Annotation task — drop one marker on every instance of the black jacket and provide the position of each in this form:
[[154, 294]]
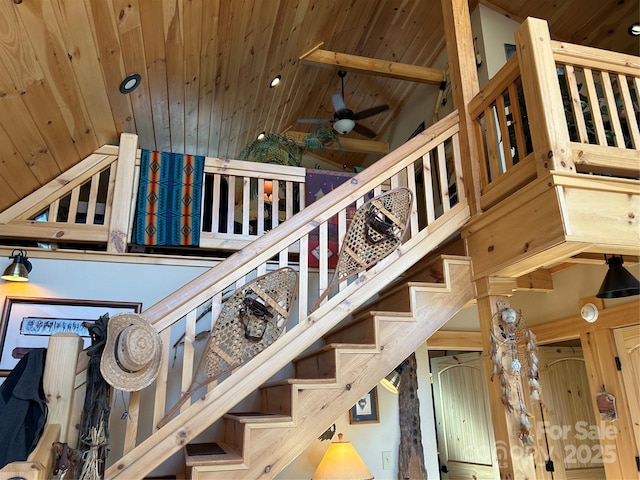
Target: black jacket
[[23, 408]]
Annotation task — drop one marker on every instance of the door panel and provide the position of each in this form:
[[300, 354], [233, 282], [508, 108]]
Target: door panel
[[628, 346], [463, 418], [569, 425]]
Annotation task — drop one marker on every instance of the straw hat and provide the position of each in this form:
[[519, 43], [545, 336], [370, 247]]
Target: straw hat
[[131, 357]]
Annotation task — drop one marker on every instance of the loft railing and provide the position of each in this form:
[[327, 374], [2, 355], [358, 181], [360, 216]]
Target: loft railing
[[554, 98], [241, 200], [428, 164]]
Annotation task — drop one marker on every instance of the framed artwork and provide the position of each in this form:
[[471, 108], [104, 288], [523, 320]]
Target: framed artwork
[[28, 322], [366, 409]]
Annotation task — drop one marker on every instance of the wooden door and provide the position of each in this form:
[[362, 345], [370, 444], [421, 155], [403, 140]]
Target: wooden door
[[466, 443], [568, 425], [628, 346]]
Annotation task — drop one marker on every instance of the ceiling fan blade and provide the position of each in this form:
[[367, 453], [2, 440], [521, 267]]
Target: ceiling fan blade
[[314, 120], [362, 130], [338, 102], [369, 112]]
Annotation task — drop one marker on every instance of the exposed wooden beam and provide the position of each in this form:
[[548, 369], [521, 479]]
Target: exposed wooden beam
[[383, 68], [455, 340], [348, 144]]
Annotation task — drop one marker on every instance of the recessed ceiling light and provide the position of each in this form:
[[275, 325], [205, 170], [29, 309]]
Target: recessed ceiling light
[[275, 81], [130, 83], [634, 30], [261, 135]]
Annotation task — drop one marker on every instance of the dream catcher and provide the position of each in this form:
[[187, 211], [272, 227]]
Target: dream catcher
[[515, 362]]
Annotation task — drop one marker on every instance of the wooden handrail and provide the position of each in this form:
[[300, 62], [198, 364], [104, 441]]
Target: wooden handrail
[[430, 157]]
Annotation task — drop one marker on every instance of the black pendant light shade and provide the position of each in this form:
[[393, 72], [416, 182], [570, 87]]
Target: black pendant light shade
[[618, 282]]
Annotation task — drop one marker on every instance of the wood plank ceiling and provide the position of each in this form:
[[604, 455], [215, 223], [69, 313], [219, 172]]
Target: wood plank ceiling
[[206, 65]]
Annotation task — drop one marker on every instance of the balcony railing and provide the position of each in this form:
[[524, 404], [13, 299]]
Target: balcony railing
[[556, 97]]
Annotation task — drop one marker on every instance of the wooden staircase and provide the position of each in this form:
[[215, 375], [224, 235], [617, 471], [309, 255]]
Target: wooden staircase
[[329, 380]]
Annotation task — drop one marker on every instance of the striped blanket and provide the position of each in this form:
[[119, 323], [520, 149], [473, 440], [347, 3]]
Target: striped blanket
[[169, 199]]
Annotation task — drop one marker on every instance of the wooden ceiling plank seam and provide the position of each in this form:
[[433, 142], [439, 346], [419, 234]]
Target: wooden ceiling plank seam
[[285, 16], [81, 48], [258, 84], [232, 97], [16, 52], [153, 39], [596, 32], [46, 40], [212, 32], [21, 76], [41, 107], [26, 138], [193, 22], [14, 167], [104, 29], [175, 71], [254, 121], [131, 43], [269, 70], [9, 195], [39, 100], [306, 27]]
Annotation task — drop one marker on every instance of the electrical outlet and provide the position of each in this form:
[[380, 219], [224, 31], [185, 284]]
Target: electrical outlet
[[386, 460]]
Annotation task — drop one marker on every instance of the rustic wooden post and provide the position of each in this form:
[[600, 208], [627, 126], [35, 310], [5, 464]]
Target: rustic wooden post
[[513, 461], [464, 86], [411, 455], [121, 202], [59, 382], [549, 132]]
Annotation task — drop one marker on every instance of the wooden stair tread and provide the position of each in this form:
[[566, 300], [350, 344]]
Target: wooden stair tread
[[335, 346], [257, 417], [211, 453], [300, 381]]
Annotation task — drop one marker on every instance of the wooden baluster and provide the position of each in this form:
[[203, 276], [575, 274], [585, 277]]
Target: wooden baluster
[[594, 102], [574, 96]]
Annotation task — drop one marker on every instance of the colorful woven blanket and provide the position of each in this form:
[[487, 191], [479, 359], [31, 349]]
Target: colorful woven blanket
[[169, 199]]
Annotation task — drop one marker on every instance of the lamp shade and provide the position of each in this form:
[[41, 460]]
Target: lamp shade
[[19, 270], [618, 282], [392, 381], [341, 462]]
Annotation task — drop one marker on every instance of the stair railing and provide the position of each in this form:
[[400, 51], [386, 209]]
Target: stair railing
[[429, 165]]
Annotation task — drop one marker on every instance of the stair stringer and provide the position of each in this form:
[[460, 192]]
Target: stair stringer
[[269, 448], [213, 405]]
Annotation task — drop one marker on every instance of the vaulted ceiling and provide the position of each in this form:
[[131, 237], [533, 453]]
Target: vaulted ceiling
[[205, 68]]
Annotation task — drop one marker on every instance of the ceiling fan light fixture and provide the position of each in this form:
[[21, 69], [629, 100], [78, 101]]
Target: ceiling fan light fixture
[[634, 29], [261, 135], [344, 125], [275, 81]]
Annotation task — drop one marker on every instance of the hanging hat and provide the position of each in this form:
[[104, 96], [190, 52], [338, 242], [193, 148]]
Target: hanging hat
[[131, 357]]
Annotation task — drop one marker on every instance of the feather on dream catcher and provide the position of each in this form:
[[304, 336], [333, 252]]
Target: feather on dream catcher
[[514, 358]]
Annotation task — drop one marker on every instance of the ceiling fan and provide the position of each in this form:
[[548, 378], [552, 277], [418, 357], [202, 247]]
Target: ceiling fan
[[344, 120]]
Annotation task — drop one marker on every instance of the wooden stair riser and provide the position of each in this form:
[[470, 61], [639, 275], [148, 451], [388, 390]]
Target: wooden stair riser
[[320, 365], [234, 434], [277, 399], [361, 330], [270, 450]]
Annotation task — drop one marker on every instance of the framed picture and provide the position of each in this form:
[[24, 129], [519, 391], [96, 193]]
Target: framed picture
[[28, 322], [366, 409]]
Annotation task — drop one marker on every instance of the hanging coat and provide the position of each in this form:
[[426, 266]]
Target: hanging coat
[[23, 408]]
